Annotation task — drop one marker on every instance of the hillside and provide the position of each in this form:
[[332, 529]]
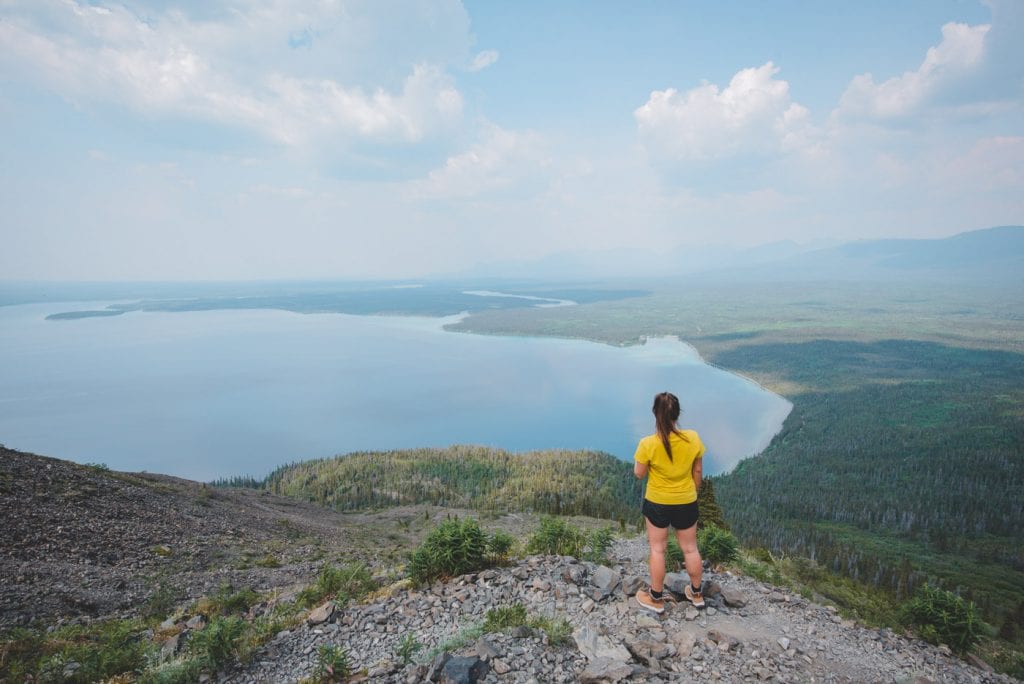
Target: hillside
[[486, 479], [85, 542]]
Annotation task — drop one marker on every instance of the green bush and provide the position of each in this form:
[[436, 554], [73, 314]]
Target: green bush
[[346, 583], [407, 648], [217, 644], [505, 617], [674, 559], [717, 545], [597, 544], [101, 651], [500, 545], [558, 631], [331, 664], [556, 538], [455, 547], [943, 617], [235, 602]]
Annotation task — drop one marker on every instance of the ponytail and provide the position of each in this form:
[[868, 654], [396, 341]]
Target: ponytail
[[666, 413]]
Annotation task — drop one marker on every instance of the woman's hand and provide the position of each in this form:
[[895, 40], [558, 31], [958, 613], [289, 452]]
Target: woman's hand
[[697, 471]]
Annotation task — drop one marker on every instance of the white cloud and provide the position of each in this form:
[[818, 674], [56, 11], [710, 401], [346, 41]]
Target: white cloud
[[945, 66], [170, 65], [483, 60], [752, 115], [503, 160]]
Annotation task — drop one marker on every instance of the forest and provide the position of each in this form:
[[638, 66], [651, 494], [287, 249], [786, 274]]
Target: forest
[[482, 478], [903, 458]]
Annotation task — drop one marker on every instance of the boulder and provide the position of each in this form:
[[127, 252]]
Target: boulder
[[464, 670], [605, 580], [321, 613], [596, 646], [605, 671], [733, 598]]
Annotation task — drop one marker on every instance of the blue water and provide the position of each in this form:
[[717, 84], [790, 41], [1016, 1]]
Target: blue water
[[218, 393]]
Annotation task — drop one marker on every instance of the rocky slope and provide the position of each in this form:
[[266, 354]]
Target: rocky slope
[[81, 542], [748, 632]]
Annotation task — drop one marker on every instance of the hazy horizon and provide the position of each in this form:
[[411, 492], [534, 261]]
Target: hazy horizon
[[356, 140]]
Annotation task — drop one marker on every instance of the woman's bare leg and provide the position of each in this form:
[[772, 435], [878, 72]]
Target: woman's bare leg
[[694, 564], [657, 537]]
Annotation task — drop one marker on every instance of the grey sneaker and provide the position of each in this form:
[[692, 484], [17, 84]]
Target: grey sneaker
[[694, 597], [649, 602]]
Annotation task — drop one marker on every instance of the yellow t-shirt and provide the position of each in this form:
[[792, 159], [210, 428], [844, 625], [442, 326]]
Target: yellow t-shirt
[[670, 482]]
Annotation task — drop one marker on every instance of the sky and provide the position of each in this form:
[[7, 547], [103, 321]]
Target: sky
[[280, 139]]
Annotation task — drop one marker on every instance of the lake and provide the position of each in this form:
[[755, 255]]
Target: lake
[[208, 394]]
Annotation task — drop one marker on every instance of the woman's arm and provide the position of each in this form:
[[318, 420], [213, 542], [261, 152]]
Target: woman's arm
[[698, 472], [640, 469]]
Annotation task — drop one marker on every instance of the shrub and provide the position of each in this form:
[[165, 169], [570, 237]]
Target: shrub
[[346, 583], [331, 664], [597, 544], [674, 559], [505, 617], [161, 602], [556, 538], [452, 548], [558, 631], [500, 544], [217, 644], [943, 617], [717, 545], [231, 602], [101, 650], [407, 648]]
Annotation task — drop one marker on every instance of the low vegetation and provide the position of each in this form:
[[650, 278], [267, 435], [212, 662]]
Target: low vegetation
[[456, 547], [558, 537]]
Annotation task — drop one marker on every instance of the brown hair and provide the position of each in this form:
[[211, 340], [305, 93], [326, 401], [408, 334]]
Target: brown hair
[[666, 413]]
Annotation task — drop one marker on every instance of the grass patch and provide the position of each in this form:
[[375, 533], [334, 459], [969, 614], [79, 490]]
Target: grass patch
[[349, 582]]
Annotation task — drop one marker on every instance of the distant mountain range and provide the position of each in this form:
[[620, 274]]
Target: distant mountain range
[[995, 254]]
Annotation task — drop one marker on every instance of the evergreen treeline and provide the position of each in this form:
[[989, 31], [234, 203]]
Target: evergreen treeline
[[901, 462], [552, 482]]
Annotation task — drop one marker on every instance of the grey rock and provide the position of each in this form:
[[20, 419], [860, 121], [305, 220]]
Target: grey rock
[[576, 574], [464, 670], [646, 620], [734, 598], [676, 582], [684, 642], [605, 580], [436, 667], [196, 622], [488, 650], [605, 671], [594, 645], [320, 614], [631, 584]]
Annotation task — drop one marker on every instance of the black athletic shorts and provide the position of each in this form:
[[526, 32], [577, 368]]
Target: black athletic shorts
[[679, 516]]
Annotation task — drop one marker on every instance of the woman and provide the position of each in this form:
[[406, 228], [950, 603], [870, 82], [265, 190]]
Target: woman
[[671, 461]]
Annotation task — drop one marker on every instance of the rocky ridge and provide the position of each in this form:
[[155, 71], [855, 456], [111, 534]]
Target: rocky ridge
[[80, 543], [748, 632]]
